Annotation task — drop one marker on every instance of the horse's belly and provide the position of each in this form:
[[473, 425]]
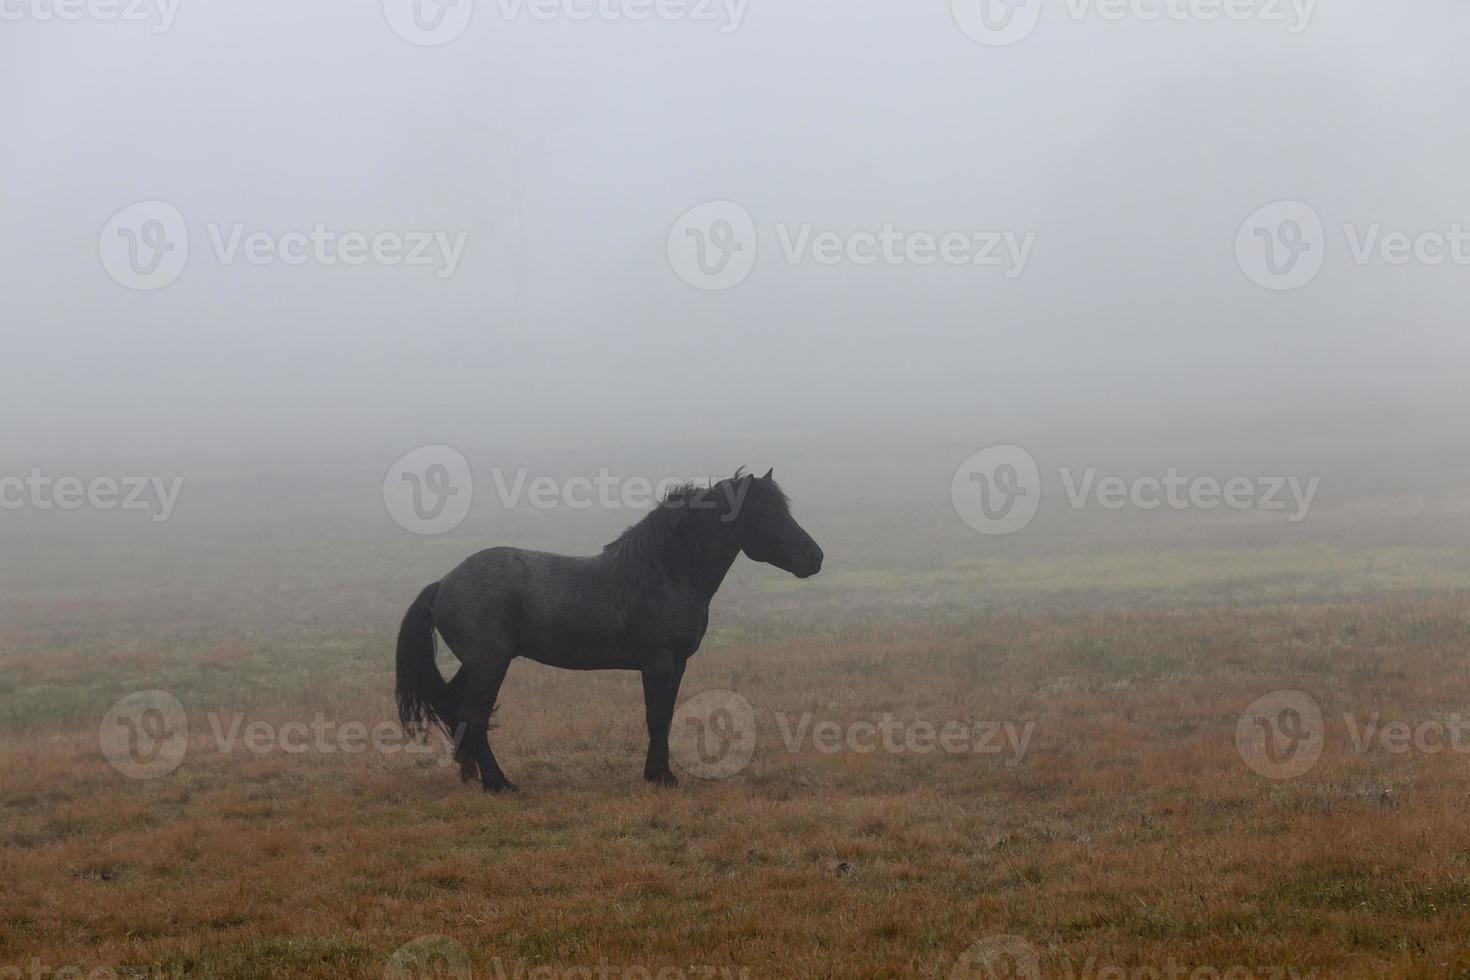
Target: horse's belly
[[579, 657], [585, 660]]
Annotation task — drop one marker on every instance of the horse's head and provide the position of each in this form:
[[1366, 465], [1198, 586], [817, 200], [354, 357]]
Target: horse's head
[[766, 530]]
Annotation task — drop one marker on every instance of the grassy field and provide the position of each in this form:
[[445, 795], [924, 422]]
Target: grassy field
[[992, 752]]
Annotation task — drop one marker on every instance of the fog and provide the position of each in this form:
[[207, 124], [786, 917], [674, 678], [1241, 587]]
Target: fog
[[564, 150], [1111, 354]]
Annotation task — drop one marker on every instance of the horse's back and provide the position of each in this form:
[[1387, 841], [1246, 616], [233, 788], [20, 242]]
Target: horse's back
[[515, 594]]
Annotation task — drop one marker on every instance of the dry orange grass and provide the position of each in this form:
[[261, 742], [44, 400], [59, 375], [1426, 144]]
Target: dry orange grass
[[1131, 835]]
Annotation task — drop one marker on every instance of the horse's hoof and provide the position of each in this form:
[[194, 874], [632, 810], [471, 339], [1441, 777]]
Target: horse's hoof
[[502, 785], [662, 778]]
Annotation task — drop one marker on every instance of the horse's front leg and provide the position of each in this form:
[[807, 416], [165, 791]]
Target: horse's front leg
[[661, 677]]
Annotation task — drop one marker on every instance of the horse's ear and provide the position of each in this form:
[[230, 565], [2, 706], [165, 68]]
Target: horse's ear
[[768, 473]]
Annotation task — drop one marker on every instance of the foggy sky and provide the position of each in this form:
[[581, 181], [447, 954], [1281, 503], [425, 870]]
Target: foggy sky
[[565, 151]]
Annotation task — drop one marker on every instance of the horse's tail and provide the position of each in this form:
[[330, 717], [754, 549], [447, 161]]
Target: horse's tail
[[423, 696]]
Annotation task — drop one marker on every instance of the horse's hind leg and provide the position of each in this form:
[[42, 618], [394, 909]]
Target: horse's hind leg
[[468, 767], [484, 677]]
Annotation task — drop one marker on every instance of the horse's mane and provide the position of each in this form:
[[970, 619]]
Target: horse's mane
[[673, 517], [690, 519]]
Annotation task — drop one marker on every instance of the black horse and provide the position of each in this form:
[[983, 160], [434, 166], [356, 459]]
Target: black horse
[[643, 604]]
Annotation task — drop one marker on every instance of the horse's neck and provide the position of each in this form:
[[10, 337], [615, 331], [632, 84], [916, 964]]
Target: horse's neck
[[697, 565], [702, 567], [712, 574]]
